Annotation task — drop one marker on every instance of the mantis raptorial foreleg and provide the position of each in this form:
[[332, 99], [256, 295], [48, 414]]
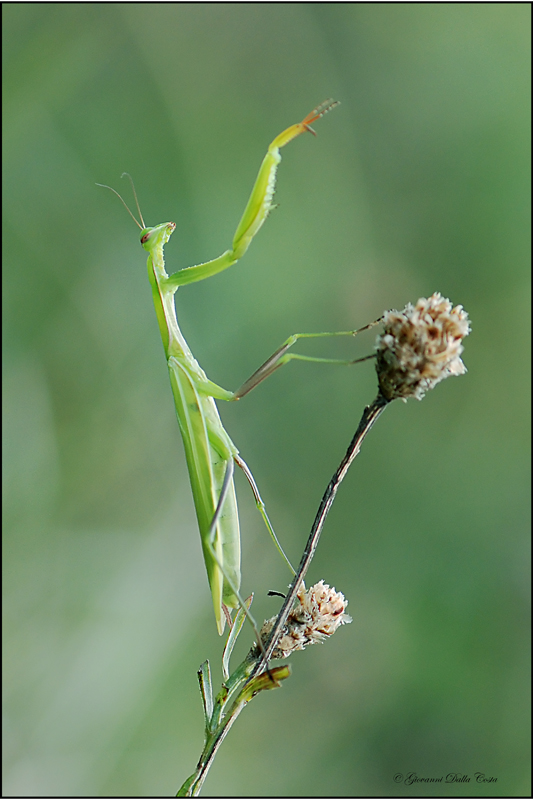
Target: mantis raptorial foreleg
[[257, 209]]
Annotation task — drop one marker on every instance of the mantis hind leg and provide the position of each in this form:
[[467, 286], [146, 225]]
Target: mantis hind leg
[[262, 509]]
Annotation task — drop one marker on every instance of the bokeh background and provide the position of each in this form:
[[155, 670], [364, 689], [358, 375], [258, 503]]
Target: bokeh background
[[417, 183]]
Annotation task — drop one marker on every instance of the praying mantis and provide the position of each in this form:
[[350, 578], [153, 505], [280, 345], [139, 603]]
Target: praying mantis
[[210, 453]]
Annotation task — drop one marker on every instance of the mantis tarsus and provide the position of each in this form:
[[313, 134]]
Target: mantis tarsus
[[210, 453]]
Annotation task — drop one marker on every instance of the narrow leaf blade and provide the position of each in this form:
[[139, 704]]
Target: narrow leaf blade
[[238, 622], [206, 689]]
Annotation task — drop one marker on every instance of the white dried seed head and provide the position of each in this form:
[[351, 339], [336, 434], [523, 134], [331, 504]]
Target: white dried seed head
[[420, 346], [315, 617]]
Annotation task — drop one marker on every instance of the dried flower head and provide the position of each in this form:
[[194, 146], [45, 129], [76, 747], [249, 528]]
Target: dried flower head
[[317, 614], [420, 346]]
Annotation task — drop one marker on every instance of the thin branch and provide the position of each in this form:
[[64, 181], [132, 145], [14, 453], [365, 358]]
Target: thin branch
[[370, 415]]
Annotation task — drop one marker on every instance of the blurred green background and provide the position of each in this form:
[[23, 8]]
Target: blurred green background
[[417, 183]]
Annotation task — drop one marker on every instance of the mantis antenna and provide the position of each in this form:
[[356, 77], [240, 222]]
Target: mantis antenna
[[135, 195], [104, 186]]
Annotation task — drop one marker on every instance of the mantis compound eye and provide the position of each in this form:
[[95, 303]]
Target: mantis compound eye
[[145, 237]]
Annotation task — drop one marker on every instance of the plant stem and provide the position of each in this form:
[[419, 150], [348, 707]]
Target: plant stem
[[193, 785], [245, 687], [370, 415]]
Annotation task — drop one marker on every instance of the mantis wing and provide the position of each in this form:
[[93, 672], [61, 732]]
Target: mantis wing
[[207, 451]]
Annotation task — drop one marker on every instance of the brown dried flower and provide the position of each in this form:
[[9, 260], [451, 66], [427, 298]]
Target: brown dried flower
[[318, 613], [420, 346]]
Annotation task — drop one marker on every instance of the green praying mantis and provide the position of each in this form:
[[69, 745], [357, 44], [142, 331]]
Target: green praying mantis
[[210, 452]]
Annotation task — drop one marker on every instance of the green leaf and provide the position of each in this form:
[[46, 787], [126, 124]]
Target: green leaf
[[206, 689]]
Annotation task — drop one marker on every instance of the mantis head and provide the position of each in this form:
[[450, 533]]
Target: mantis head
[[152, 238]]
